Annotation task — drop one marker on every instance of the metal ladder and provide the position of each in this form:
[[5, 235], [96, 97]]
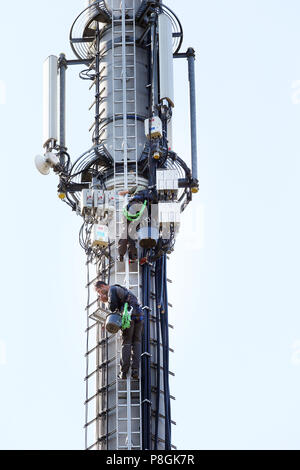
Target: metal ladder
[[128, 393]]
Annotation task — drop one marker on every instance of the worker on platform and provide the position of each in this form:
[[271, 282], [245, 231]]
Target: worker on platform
[[116, 296], [138, 196]]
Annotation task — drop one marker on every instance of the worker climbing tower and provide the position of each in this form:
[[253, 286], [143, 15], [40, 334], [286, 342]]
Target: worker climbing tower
[[126, 50]]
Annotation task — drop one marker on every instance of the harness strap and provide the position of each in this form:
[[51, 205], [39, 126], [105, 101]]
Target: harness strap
[[137, 216], [126, 318], [133, 316]]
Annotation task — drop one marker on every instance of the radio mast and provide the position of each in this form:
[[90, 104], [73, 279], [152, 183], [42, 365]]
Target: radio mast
[[126, 49]]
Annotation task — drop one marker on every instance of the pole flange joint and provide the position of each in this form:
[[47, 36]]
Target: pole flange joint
[[62, 61], [191, 52]]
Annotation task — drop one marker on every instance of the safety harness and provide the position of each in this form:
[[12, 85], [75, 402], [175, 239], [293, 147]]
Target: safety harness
[[135, 312], [137, 216], [126, 318]]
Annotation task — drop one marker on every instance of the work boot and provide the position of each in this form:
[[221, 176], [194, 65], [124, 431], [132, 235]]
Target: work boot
[[132, 258], [132, 251], [135, 374], [122, 376]]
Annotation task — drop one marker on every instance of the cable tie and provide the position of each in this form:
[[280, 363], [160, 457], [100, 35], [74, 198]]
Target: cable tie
[[147, 401], [146, 354]]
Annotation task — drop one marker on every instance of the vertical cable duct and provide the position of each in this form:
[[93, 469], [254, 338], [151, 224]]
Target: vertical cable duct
[[157, 322], [146, 358]]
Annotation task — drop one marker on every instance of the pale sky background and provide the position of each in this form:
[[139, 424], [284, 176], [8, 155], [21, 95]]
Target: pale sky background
[[237, 262]]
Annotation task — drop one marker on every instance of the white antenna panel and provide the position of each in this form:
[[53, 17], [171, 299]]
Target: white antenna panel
[[166, 58], [50, 96]]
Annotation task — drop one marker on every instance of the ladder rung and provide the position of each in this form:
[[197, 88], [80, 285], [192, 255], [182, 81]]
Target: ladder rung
[[92, 326], [132, 419], [92, 422], [128, 149], [113, 359], [162, 416], [119, 10], [130, 405], [121, 273], [91, 304], [120, 32], [121, 66], [129, 113], [127, 447], [92, 126], [93, 445], [92, 64], [121, 101], [127, 20], [100, 391], [93, 83], [154, 366], [127, 89], [153, 319], [127, 78], [106, 436], [153, 342], [128, 125], [125, 433], [93, 350], [163, 442], [121, 55], [93, 104]]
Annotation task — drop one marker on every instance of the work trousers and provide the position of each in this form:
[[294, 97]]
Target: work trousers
[[132, 341], [126, 242], [123, 244]]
